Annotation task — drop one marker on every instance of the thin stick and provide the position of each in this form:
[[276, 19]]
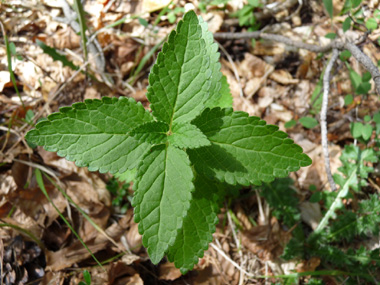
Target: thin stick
[[231, 261], [237, 242], [236, 73], [326, 87], [366, 62], [336, 44], [276, 38]]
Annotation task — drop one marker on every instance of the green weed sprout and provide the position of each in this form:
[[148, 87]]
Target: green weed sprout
[[186, 151]]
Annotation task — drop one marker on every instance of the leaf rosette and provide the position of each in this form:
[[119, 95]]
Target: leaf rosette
[[185, 153]]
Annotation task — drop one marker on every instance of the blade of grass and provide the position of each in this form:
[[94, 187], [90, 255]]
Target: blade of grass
[[9, 59], [78, 7], [317, 273], [43, 189], [87, 217], [162, 12], [26, 232], [146, 57]]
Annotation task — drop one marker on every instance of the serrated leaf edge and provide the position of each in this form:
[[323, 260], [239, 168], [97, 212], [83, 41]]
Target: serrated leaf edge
[[78, 106]]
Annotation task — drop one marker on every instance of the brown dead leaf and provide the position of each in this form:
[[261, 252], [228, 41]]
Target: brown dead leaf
[[120, 273], [281, 113], [63, 38], [49, 87], [7, 183], [283, 76], [56, 235], [29, 198], [154, 5], [308, 265], [316, 173], [167, 271], [209, 276], [214, 20], [75, 253], [5, 79], [239, 103], [134, 239], [253, 67], [242, 217], [311, 214], [5, 208], [92, 93], [268, 48], [140, 95], [266, 241]]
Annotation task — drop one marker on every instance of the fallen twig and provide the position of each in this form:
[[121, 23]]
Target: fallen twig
[[277, 38], [325, 99], [336, 44]]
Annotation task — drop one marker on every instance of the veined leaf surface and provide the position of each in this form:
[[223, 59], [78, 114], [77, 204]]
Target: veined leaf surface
[[198, 225], [95, 134], [162, 197], [179, 80], [244, 149], [216, 75], [187, 136]]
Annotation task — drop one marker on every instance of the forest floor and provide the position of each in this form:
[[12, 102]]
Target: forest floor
[[277, 82]]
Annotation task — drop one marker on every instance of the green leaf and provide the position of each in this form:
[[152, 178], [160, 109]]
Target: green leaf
[[162, 197], [187, 136], [363, 88], [12, 49], [366, 76], [95, 134], [345, 55], [143, 22], [200, 222], [329, 7], [346, 24], [376, 119], [283, 199], [151, 132], [316, 98], [367, 132], [356, 130], [290, 124], [367, 118], [29, 116], [180, 79], [346, 7], [87, 277], [330, 36], [308, 122], [244, 149], [225, 100], [216, 75], [172, 17], [356, 3], [348, 99], [56, 56], [376, 14], [355, 78], [371, 24]]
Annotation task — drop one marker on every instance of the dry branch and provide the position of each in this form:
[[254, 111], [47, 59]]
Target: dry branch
[[336, 44], [325, 100]]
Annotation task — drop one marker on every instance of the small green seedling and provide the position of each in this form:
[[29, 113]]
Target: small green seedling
[[185, 152], [86, 277]]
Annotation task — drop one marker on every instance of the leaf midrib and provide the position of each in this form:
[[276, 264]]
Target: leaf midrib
[[180, 76], [256, 151]]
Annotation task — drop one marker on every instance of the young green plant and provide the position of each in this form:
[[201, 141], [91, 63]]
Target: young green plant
[[186, 151]]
